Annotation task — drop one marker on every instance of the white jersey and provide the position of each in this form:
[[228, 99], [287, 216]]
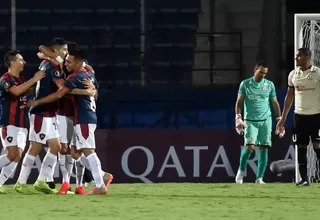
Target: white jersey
[[307, 90]]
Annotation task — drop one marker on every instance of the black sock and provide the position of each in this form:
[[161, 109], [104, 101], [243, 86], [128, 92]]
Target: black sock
[[87, 176], [302, 160], [317, 150]]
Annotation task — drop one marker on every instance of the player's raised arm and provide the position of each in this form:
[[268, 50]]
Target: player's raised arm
[[15, 62], [48, 52]]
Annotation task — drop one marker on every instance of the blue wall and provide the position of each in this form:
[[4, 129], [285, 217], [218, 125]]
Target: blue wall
[[171, 107]]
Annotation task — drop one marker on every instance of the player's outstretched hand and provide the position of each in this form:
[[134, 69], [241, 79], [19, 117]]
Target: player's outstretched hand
[[240, 124], [39, 75], [88, 84], [32, 103]]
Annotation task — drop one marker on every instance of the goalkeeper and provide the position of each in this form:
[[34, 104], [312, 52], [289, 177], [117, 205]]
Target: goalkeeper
[[256, 94]]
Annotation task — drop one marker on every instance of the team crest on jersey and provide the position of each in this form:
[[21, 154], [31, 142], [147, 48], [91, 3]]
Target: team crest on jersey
[[249, 139], [310, 77], [265, 88], [42, 136], [58, 74], [9, 139]]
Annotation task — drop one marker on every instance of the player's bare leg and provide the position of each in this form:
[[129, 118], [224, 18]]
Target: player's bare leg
[[48, 163], [27, 164], [76, 155], [245, 155], [101, 178], [11, 160], [262, 164]]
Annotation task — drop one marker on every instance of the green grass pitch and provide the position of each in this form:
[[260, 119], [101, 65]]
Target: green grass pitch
[[172, 201]]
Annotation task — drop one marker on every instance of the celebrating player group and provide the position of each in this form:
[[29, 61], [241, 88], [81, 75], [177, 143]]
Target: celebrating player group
[[62, 115], [257, 94]]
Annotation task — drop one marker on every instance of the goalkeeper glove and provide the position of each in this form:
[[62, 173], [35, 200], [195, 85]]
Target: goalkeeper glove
[[240, 124]]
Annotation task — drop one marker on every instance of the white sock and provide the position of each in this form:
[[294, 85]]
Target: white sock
[[86, 164], [48, 163], [50, 177], [69, 165], [63, 168], [4, 161], [7, 171], [26, 167], [79, 173], [95, 165]]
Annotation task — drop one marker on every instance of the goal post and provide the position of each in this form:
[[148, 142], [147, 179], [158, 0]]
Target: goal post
[[307, 34]]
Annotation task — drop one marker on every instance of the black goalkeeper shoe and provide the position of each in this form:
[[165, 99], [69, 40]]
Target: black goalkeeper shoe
[[52, 185], [303, 183]]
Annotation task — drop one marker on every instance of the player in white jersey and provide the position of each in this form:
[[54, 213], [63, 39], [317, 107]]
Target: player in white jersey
[[304, 88]]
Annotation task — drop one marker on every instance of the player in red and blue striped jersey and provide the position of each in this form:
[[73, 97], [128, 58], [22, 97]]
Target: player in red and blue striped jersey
[[65, 129], [43, 124], [85, 119], [13, 97]]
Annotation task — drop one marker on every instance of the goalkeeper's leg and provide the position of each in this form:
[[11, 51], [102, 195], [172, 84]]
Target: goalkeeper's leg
[[264, 142], [262, 164], [250, 134]]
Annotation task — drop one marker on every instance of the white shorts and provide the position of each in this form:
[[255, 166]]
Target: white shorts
[[83, 136], [65, 128], [43, 128], [13, 136]]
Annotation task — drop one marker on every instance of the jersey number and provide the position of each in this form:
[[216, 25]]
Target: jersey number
[[92, 104]]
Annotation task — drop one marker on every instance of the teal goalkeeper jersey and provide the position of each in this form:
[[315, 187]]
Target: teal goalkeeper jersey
[[257, 95]]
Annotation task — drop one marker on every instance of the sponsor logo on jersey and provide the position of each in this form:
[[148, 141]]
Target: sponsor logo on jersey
[[304, 88]]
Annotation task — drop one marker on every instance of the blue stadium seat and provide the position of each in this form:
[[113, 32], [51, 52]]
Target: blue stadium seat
[[98, 26], [169, 21]]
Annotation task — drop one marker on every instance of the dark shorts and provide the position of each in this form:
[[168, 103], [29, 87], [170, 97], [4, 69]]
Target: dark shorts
[[306, 127]]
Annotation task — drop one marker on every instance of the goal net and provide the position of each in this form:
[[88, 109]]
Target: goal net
[[307, 34]]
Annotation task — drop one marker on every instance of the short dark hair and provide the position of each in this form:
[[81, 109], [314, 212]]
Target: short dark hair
[[72, 45], [305, 51], [78, 54], [10, 56], [58, 42], [262, 63]]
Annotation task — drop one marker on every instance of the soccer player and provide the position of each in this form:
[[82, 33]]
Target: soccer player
[[304, 88], [13, 97], [65, 128], [43, 123], [85, 119], [255, 94]]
